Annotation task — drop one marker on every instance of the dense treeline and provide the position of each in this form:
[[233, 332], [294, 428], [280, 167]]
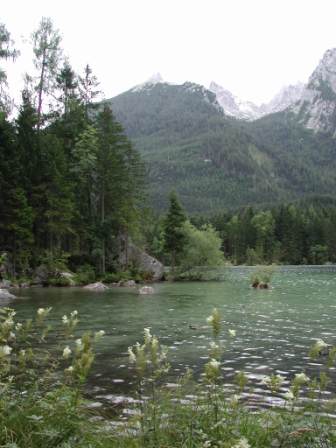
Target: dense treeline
[[289, 234], [70, 182]]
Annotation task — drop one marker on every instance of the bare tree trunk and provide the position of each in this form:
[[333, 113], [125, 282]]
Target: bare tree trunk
[[103, 261], [40, 92]]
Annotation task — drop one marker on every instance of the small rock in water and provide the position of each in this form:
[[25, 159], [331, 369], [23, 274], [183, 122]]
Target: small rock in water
[[146, 290], [98, 286]]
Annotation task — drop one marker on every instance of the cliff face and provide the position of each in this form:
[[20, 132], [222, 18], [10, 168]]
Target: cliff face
[[317, 108]]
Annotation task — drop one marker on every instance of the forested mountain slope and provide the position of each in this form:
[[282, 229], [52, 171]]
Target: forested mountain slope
[[214, 161]]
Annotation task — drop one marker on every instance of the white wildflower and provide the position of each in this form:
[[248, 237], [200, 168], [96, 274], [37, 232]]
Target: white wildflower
[[8, 323], [232, 333], [18, 326], [147, 335], [42, 312], [5, 350], [69, 369], [65, 319], [320, 344], [79, 343], [11, 336], [214, 364], [289, 395], [234, 399], [301, 378], [243, 443], [99, 334], [132, 357], [74, 313], [66, 352], [210, 319]]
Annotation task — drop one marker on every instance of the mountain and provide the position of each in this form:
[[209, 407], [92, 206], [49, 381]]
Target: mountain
[[215, 161], [247, 110], [317, 107]]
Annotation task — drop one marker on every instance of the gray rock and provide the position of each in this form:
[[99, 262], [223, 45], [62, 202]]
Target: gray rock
[[128, 283], [146, 290], [98, 286], [4, 294], [41, 275], [141, 260], [5, 284]]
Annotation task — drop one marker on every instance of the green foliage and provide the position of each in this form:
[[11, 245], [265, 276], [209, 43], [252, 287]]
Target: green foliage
[[41, 402], [203, 247], [262, 276], [85, 274], [174, 234], [297, 233]]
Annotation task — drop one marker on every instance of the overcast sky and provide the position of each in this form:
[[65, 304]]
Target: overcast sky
[[251, 47]]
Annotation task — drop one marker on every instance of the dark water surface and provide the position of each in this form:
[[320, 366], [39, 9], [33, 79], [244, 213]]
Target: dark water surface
[[275, 328]]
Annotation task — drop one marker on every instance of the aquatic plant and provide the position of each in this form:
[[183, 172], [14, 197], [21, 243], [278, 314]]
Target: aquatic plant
[[262, 276]]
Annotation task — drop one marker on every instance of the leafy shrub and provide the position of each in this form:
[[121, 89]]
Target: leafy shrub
[[59, 281], [262, 276], [85, 274]]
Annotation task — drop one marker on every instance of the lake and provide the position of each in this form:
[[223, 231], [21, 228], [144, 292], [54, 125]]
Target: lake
[[274, 328]]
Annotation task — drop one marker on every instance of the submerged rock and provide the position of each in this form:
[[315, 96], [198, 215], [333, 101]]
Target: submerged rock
[[146, 290], [4, 294], [98, 286]]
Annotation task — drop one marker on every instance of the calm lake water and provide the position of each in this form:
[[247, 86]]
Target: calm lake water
[[275, 328]]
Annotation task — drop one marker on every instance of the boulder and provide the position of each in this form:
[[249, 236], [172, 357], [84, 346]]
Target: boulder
[[128, 283], [41, 275], [131, 254], [4, 294], [146, 290], [98, 286]]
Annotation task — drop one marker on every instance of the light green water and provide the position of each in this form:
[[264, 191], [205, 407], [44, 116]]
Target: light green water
[[275, 328]]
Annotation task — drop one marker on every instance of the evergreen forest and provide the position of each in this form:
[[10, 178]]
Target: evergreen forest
[[74, 185]]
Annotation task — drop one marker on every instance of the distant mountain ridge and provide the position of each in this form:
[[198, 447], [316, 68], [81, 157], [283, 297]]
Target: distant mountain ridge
[[214, 160], [247, 110]]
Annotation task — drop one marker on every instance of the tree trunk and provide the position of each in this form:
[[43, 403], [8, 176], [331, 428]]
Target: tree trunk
[[40, 91], [102, 223]]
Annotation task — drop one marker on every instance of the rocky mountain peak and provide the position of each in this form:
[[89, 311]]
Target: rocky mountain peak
[[317, 107], [155, 79], [247, 110]]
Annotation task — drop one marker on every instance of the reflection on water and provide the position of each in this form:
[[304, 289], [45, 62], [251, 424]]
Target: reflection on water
[[275, 328]]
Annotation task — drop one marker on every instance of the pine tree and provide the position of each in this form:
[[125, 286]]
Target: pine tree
[[174, 235], [6, 51], [47, 53]]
